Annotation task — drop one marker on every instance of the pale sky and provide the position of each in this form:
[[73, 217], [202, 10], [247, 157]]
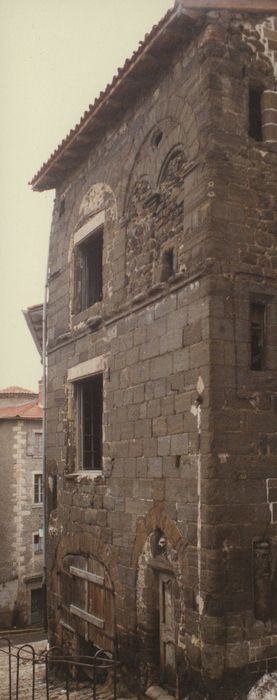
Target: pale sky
[[55, 58]]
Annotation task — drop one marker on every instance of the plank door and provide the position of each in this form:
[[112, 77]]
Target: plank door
[[36, 606], [167, 630]]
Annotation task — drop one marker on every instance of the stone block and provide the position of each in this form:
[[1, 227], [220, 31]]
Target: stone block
[[161, 367], [155, 467], [179, 444]]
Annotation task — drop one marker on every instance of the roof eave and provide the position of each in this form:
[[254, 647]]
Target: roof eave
[[28, 318], [93, 123]]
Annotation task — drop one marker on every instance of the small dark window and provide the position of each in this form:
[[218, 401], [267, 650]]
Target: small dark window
[[156, 138], [88, 271], [167, 264], [255, 114], [262, 581], [53, 492], [257, 336], [62, 207], [90, 407]]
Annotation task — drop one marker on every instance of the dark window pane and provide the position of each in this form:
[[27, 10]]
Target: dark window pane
[[255, 115], [90, 268], [91, 428], [257, 332]]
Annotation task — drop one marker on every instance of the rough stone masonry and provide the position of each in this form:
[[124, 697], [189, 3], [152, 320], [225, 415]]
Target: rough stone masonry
[[162, 328]]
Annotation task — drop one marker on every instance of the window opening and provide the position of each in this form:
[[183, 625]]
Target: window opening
[[36, 606], [156, 138], [262, 580], [90, 407], [38, 539], [38, 491], [257, 331], [37, 444], [90, 254], [255, 114], [62, 207], [54, 491], [167, 264]]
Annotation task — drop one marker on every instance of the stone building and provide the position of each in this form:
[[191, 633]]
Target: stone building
[[21, 560], [162, 321]]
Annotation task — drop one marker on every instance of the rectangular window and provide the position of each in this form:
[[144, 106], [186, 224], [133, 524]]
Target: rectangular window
[[257, 337], [37, 444], [90, 410], [38, 540], [38, 490], [255, 114], [88, 271]]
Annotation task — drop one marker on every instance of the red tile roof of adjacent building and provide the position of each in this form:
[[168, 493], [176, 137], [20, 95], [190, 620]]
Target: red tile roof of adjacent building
[[27, 411], [11, 390]]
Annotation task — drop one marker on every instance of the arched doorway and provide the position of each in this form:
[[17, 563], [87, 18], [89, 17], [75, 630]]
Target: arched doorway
[[158, 609], [88, 603]]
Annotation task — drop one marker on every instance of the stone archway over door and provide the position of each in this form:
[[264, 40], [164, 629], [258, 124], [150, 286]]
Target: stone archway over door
[[158, 610]]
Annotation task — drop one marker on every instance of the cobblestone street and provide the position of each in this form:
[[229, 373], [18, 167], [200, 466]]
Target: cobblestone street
[[78, 690]]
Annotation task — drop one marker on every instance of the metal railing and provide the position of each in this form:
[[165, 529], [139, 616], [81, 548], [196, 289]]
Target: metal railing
[[98, 668]]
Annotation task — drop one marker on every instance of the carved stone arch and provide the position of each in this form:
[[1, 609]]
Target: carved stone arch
[[88, 545], [141, 189], [157, 519], [174, 164], [92, 237], [180, 128], [158, 553], [99, 196], [151, 152]]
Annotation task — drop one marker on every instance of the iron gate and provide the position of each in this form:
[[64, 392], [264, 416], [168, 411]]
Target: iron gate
[[99, 666]]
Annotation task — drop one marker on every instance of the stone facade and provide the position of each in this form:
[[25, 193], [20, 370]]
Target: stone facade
[[21, 559], [180, 526]]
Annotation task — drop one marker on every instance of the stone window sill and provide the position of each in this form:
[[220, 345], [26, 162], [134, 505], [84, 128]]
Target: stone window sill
[[91, 316], [85, 474]]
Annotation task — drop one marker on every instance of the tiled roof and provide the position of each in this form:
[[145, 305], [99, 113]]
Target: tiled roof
[[27, 411], [259, 6], [125, 84], [143, 66], [11, 390], [34, 319]]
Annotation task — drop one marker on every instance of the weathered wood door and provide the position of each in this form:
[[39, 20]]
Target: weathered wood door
[[167, 630], [89, 600], [36, 606]]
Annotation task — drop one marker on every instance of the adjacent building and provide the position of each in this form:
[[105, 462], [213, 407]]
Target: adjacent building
[[162, 328], [21, 510]]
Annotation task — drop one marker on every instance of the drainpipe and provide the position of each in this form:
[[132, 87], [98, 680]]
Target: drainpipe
[[44, 420]]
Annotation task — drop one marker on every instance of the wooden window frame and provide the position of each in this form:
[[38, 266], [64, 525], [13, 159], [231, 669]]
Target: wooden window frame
[[89, 392], [37, 488]]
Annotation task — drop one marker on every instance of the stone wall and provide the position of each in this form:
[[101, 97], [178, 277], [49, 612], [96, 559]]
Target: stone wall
[[189, 429], [20, 519]]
